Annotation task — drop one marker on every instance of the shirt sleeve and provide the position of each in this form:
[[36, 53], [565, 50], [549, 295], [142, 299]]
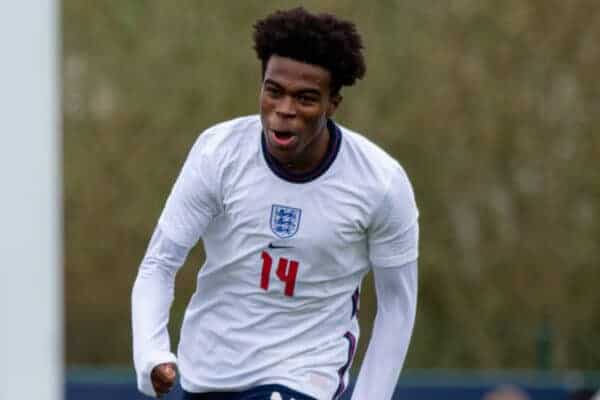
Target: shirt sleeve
[[151, 299], [396, 290], [195, 198], [192, 204], [393, 234]]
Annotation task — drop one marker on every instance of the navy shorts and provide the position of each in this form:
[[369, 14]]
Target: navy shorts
[[263, 392]]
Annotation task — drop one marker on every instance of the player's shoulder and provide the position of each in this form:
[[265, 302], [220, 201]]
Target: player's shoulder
[[225, 139], [230, 133], [369, 159]]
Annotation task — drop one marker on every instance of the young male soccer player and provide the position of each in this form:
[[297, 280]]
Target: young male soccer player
[[293, 210]]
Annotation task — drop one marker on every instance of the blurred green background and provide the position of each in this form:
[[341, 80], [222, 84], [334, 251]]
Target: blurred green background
[[491, 106]]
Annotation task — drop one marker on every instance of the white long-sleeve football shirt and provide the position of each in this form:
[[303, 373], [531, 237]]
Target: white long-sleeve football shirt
[[277, 296]]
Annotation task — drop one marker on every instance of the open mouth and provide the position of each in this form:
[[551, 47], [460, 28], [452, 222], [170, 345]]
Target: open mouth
[[283, 138]]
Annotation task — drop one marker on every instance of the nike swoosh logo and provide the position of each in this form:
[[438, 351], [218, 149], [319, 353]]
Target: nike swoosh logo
[[274, 246]]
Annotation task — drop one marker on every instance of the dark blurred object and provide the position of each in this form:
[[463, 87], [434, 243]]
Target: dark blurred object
[[584, 394], [544, 344]]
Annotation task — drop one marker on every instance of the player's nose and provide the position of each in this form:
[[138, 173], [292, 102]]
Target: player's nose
[[286, 107]]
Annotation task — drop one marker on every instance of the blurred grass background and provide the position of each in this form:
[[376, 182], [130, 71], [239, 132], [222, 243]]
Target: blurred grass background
[[492, 108]]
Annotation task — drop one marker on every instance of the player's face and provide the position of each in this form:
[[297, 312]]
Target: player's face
[[295, 102]]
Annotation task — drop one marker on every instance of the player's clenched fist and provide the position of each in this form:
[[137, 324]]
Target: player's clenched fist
[[163, 377]]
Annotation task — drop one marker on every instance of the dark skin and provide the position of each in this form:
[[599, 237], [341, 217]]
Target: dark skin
[[295, 103], [163, 377]]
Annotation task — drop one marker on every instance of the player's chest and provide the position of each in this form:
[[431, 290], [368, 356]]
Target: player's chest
[[325, 212]]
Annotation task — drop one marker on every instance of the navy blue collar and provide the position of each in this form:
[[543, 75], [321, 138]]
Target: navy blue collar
[[333, 148]]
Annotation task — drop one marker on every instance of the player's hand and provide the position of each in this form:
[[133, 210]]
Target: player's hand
[[163, 377]]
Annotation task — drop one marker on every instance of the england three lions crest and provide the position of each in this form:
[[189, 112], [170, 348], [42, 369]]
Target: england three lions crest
[[285, 220]]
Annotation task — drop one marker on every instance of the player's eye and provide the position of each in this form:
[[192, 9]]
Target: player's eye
[[306, 99], [273, 91]]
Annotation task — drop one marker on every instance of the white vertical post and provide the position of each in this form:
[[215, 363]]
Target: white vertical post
[[31, 350]]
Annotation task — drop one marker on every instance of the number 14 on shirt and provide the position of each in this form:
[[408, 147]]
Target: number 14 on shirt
[[286, 272]]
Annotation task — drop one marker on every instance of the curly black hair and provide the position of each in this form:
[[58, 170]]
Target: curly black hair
[[319, 39]]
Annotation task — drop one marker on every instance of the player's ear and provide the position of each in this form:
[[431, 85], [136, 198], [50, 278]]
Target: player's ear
[[334, 102]]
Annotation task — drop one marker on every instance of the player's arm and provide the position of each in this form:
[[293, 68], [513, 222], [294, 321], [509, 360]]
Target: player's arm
[[192, 204], [393, 238], [396, 290], [151, 298]]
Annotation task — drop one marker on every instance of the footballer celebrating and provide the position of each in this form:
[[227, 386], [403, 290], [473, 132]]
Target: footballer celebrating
[[293, 210]]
